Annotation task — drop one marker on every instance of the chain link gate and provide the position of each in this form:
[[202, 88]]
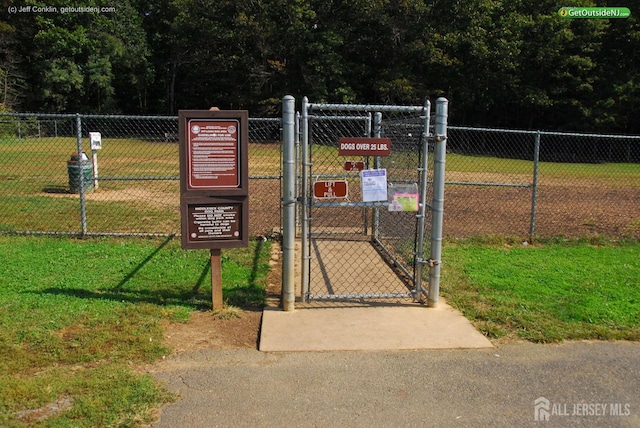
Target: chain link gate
[[355, 248]]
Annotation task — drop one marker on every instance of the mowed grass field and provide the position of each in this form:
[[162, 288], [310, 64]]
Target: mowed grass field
[[78, 318], [559, 290], [138, 190]]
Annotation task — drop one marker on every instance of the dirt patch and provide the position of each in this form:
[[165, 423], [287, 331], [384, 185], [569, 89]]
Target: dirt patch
[[204, 330], [568, 211], [157, 199], [40, 414]]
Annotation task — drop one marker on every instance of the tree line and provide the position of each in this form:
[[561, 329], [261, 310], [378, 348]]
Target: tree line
[[501, 63]]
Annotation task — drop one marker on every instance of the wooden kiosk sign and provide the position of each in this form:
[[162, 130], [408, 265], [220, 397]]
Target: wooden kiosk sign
[[214, 183]]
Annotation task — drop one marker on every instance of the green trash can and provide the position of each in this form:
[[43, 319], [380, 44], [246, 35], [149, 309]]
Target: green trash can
[[73, 168]]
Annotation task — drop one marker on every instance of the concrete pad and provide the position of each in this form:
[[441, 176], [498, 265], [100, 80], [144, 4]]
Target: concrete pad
[[368, 329]]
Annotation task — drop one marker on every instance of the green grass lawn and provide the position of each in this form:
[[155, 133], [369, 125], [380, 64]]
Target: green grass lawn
[[77, 317], [546, 293]]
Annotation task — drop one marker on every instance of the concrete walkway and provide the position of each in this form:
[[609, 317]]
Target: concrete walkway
[[409, 326]]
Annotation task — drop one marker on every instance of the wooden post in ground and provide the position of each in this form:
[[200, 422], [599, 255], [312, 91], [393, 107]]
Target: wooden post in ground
[[216, 279]]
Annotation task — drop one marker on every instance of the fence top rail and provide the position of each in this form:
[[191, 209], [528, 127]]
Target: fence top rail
[[40, 115], [363, 118], [112, 116], [84, 116], [265, 119], [334, 107], [548, 133], [365, 107], [501, 130], [588, 135]]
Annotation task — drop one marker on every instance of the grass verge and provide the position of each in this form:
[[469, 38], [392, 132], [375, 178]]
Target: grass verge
[[78, 316], [546, 293]]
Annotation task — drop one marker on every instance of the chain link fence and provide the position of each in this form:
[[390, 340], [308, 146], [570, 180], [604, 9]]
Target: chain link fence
[[545, 184], [499, 182], [342, 220], [129, 187]]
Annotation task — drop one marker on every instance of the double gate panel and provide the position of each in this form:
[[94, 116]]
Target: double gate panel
[[357, 243]]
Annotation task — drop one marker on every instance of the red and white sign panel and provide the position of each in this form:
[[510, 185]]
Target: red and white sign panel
[[353, 165], [349, 146], [330, 189], [213, 153]]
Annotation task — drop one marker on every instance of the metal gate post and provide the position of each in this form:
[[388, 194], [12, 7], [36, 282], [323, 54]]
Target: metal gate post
[[377, 133], [534, 190], [424, 172], [288, 203], [437, 206], [304, 198], [83, 201]]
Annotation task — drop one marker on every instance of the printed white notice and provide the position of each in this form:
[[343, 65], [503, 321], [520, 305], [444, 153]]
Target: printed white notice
[[374, 185]]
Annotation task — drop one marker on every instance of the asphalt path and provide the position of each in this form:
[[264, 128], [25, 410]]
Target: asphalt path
[[514, 385]]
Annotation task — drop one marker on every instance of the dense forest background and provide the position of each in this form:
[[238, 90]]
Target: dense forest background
[[501, 63]]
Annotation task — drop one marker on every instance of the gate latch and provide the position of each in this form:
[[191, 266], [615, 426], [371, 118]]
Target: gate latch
[[432, 262]]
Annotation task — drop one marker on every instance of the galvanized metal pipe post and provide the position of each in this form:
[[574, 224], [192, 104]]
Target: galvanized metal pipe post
[[288, 202], [437, 205], [423, 173], [83, 202], [377, 133], [304, 199], [534, 191]]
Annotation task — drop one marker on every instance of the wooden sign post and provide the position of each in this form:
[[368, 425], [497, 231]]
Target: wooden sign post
[[214, 185]]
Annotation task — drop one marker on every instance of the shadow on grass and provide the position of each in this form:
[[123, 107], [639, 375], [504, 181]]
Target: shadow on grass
[[252, 295], [249, 295]]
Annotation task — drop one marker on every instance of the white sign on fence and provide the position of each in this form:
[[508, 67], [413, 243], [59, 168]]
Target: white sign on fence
[[374, 185]]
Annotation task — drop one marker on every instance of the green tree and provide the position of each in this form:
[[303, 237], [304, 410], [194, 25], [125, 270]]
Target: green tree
[[76, 61]]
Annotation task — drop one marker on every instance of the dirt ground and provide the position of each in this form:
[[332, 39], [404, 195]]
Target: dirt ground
[[562, 211], [205, 330]]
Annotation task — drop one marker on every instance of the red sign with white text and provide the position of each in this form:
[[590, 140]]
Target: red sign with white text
[[348, 146], [213, 153], [330, 189], [353, 165]]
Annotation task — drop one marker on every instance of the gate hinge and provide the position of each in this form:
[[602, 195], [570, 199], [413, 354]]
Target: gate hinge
[[430, 262]]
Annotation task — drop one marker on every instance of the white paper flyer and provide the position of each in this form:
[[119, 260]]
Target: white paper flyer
[[374, 185]]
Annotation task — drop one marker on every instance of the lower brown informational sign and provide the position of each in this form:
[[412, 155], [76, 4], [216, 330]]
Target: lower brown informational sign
[[214, 223]]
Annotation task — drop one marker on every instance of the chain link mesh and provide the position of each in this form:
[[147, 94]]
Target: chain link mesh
[[348, 234], [135, 190], [586, 184], [545, 184]]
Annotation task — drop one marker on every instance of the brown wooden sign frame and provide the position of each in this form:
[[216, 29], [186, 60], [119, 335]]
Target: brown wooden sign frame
[[214, 178]]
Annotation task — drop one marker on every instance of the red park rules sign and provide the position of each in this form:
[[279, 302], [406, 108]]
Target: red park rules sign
[[213, 153], [349, 146]]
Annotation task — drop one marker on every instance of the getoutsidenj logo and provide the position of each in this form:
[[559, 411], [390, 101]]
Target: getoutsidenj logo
[[594, 12]]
